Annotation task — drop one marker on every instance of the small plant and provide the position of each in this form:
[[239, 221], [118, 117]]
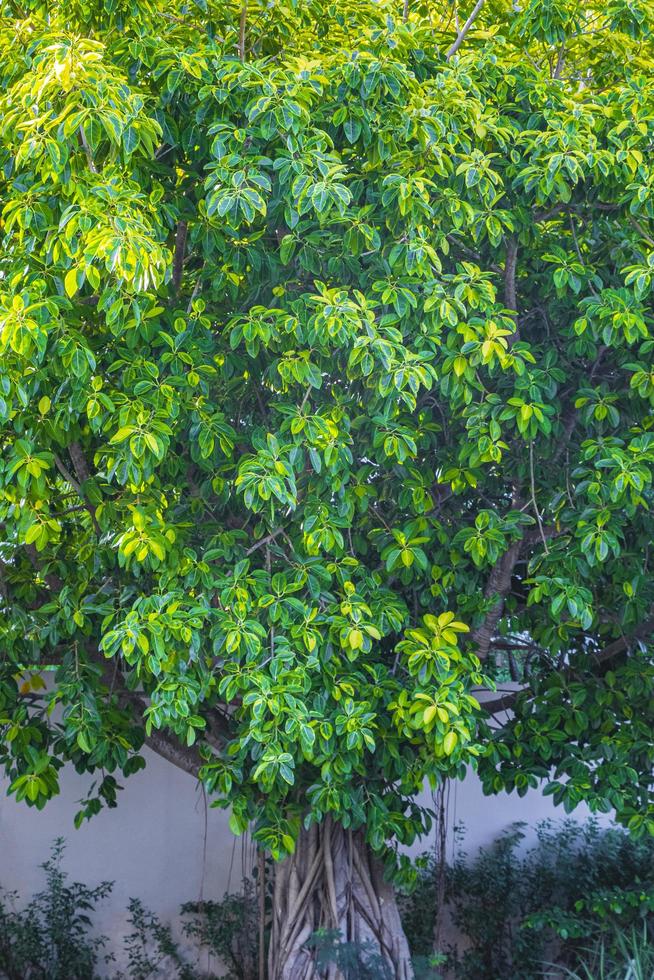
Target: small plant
[[50, 939], [628, 957], [229, 929], [353, 961], [150, 945]]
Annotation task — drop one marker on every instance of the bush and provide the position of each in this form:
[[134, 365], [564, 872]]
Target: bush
[[150, 946], [227, 929], [578, 884], [50, 938]]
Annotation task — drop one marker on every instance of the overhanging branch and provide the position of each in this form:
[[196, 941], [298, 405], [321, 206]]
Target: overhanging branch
[[506, 701], [171, 749], [163, 743]]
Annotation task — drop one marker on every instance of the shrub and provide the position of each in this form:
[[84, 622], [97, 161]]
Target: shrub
[[582, 896], [150, 945], [50, 939], [577, 884]]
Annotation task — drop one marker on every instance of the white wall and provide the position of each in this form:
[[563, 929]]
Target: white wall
[[153, 844], [485, 817]]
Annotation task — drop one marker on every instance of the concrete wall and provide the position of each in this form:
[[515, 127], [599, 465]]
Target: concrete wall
[[164, 846]]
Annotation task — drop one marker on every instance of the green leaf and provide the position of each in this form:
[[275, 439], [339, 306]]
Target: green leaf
[[70, 282]]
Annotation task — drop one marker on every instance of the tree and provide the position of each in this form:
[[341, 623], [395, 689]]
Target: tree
[[325, 401]]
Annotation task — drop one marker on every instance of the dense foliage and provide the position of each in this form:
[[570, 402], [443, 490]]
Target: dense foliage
[[325, 387]]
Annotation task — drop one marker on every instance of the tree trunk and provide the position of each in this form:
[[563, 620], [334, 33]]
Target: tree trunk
[[333, 882]]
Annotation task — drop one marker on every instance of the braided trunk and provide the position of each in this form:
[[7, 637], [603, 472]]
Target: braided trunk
[[333, 882]]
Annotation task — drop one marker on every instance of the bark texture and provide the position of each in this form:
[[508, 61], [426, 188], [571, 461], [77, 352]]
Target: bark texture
[[333, 882], [499, 585]]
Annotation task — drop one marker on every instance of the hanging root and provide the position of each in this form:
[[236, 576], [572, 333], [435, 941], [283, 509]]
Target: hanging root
[[333, 882]]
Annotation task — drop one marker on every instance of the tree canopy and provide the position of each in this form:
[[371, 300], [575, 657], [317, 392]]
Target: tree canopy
[[326, 400]]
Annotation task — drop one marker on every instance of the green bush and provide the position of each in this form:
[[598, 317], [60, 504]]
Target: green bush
[[515, 909], [50, 938], [149, 945]]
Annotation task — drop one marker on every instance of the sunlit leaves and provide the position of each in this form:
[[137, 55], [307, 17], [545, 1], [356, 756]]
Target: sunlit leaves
[[318, 365]]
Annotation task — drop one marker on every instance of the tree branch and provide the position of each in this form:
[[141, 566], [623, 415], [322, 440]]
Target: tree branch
[[506, 701], [464, 30], [172, 750], [558, 208], [498, 585], [264, 541], [180, 249], [533, 496], [475, 255], [637, 225], [241, 31], [165, 744], [82, 471], [560, 62], [510, 295], [4, 588], [51, 579], [510, 265], [79, 461], [87, 150], [550, 213]]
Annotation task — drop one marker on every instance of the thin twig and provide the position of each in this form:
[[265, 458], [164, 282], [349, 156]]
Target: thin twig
[[87, 149], [533, 497], [264, 541]]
